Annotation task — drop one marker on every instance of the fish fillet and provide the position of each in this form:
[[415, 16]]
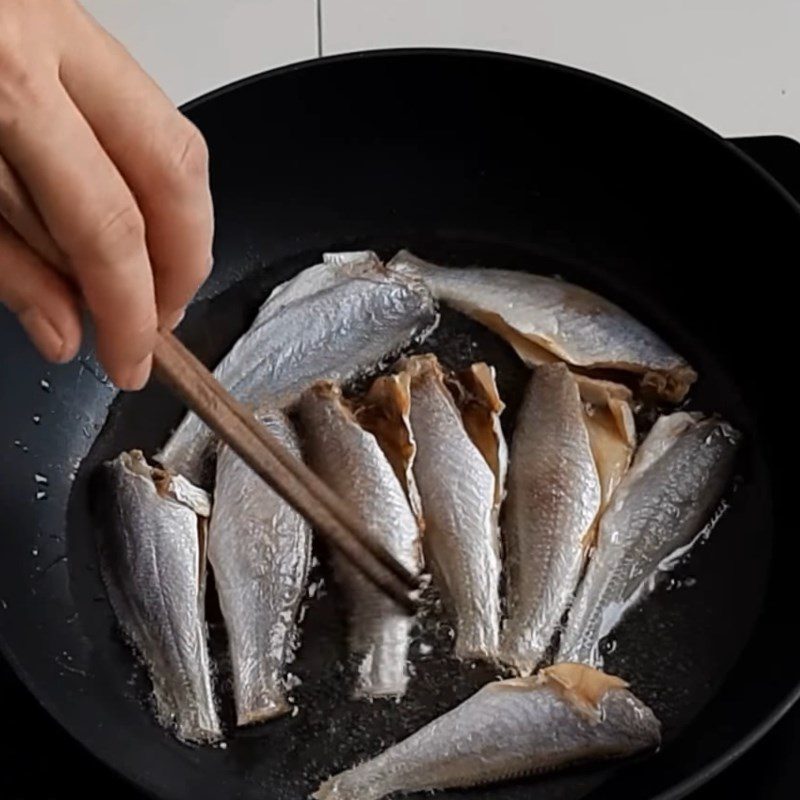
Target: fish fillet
[[568, 454], [677, 479], [548, 320], [332, 321], [352, 462], [566, 714], [260, 550], [153, 563], [461, 490]]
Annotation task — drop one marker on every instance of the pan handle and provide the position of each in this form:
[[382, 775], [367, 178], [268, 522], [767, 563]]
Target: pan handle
[[778, 155]]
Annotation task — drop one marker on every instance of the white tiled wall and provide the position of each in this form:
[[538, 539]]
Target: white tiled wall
[[192, 46], [733, 64]]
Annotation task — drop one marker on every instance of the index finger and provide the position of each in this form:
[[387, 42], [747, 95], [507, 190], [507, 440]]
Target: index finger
[[161, 155], [93, 218]]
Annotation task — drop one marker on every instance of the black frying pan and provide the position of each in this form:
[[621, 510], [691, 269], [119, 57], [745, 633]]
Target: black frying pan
[[469, 159]]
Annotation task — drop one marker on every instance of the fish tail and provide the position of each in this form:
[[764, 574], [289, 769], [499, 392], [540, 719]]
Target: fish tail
[[259, 696], [382, 671], [348, 786], [477, 638], [270, 705]]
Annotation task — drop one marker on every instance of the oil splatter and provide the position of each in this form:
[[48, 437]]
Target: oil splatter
[[608, 646], [64, 664], [292, 681], [54, 563], [45, 384]]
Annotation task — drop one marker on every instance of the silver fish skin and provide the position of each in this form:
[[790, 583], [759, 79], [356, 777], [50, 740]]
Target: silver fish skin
[[566, 714], [547, 320], [460, 502], [553, 501], [677, 479], [573, 442], [333, 321], [260, 550], [153, 564], [350, 460]]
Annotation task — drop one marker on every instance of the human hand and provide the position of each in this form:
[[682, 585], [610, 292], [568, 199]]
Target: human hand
[[117, 179]]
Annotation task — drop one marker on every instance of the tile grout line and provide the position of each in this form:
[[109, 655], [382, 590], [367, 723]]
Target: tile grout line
[[319, 28]]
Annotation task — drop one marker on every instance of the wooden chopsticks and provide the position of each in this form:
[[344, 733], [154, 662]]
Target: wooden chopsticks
[[285, 473]]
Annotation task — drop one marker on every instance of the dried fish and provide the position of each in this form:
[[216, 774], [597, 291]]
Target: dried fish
[[460, 479], [260, 551], [153, 564], [677, 478], [352, 462], [567, 457], [567, 714], [548, 320]]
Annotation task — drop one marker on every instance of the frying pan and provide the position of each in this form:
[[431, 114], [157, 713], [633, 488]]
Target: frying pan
[[467, 158]]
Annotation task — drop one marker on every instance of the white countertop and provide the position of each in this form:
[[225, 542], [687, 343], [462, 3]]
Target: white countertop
[[732, 64]]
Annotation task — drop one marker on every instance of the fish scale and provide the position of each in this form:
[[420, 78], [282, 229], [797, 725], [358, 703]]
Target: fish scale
[[460, 503], [260, 552], [565, 460]]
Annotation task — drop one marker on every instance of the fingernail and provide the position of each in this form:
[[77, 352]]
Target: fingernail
[[136, 378], [173, 320], [48, 341]]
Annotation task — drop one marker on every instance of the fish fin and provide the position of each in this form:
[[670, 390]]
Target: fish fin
[[359, 258], [186, 493], [582, 685], [422, 367], [474, 395], [384, 412], [270, 708], [599, 391], [612, 430], [405, 262], [609, 421], [475, 392], [672, 386], [168, 484], [525, 683], [533, 351]]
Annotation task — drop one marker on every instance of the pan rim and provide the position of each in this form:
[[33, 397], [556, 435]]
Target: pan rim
[[772, 717]]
